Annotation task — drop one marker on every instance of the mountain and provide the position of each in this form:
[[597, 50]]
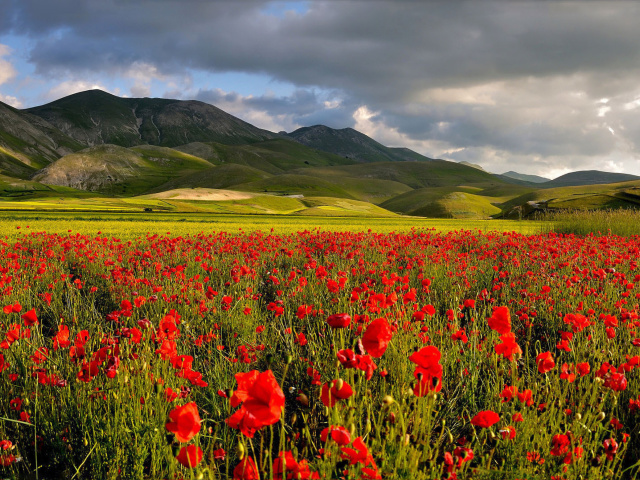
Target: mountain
[[350, 143], [524, 177], [28, 143], [474, 165], [96, 117], [121, 171], [588, 177]]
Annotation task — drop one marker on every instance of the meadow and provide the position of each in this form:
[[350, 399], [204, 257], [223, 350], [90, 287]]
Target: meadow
[[259, 347]]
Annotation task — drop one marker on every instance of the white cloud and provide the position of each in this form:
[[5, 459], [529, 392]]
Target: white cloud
[[10, 100], [73, 86], [7, 71]]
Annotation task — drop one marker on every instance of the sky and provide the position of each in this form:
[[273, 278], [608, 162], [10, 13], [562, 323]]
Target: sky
[[540, 87]]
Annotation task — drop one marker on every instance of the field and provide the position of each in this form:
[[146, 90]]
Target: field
[[259, 347]]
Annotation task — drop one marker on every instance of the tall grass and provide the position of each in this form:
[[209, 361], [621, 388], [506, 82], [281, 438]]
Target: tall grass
[[621, 222]]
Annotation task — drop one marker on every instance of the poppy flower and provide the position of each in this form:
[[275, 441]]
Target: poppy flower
[[30, 318], [185, 422], [485, 419], [377, 337], [500, 320], [508, 348], [286, 466], [545, 362], [610, 448], [190, 456], [262, 401], [339, 320], [560, 445], [335, 390], [338, 434], [246, 470]]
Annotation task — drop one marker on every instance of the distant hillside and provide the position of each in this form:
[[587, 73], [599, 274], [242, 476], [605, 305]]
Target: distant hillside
[[28, 143], [350, 143], [474, 165], [524, 177], [96, 117], [588, 177], [118, 170]]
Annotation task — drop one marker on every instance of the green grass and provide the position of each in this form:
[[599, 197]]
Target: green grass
[[131, 225], [433, 173], [120, 171], [614, 195], [623, 222], [288, 184], [220, 176]]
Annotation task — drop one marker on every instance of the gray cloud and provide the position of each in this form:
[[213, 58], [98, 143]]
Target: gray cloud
[[521, 78]]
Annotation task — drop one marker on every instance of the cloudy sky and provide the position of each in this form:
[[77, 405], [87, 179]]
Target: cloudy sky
[[539, 87]]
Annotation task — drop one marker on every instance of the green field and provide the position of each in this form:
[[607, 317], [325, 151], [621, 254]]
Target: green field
[[132, 225]]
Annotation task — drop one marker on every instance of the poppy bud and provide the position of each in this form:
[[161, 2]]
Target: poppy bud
[[303, 400], [388, 400], [601, 416], [367, 427], [294, 418], [352, 429], [578, 416], [240, 451], [339, 384], [288, 358], [85, 442]]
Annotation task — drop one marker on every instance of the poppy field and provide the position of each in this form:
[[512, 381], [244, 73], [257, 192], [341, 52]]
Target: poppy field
[[319, 354]]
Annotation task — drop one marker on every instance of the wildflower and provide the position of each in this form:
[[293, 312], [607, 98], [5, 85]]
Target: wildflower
[[377, 337], [339, 320], [190, 456], [545, 362], [185, 422], [262, 401], [485, 419], [500, 320]]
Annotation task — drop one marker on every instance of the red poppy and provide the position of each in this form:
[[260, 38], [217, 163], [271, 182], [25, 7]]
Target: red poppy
[[262, 401], [508, 348], [500, 320], [190, 456], [286, 466], [30, 318], [545, 362], [339, 434], [334, 391], [485, 419], [377, 337], [246, 470], [185, 422], [339, 320]]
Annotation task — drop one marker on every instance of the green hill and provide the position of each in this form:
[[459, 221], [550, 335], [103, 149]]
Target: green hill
[[119, 171], [433, 173], [583, 197], [588, 177], [28, 143], [350, 143], [96, 117]]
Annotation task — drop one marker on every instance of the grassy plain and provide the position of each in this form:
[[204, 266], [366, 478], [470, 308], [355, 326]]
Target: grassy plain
[[132, 225]]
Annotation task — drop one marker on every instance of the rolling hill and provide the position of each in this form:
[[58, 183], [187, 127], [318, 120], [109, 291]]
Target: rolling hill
[[350, 143], [96, 117], [588, 177], [524, 177], [96, 150]]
